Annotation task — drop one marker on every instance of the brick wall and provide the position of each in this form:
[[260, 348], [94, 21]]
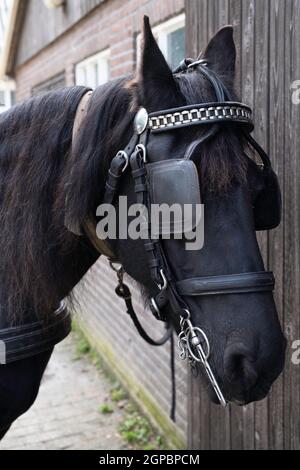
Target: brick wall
[[114, 24], [144, 369]]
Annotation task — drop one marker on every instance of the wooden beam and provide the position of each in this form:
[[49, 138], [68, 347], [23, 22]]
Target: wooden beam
[[11, 38]]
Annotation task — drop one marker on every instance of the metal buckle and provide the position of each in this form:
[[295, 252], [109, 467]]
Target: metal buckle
[[142, 148], [123, 154], [198, 62]]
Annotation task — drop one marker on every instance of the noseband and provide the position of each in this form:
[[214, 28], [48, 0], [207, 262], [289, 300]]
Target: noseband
[[193, 342]]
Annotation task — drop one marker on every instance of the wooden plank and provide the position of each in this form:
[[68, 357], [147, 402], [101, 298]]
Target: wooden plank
[[294, 175], [222, 13], [57, 21], [211, 18], [276, 237], [248, 91], [203, 20], [235, 16], [220, 418], [261, 112], [194, 432], [287, 254], [268, 63], [291, 226], [199, 403], [192, 36]]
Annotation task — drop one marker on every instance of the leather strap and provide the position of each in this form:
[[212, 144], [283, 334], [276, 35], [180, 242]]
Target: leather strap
[[81, 113], [101, 246], [227, 284], [89, 227], [117, 167], [21, 342]]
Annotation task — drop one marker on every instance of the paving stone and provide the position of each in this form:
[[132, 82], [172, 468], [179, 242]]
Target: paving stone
[[66, 413]]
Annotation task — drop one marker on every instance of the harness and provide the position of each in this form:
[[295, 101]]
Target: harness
[[160, 182], [24, 341]]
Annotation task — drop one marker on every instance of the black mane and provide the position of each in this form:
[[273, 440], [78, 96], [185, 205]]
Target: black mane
[[36, 271]]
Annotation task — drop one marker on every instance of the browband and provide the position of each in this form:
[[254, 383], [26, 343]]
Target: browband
[[207, 113]]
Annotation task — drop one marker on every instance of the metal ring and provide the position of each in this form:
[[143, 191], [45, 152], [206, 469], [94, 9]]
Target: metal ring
[[184, 320], [155, 307], [190, 348], [198, 62], [123, 154], [188, 314], [142, 148]]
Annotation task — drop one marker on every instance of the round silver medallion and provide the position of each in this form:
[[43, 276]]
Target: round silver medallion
[[141, 121]]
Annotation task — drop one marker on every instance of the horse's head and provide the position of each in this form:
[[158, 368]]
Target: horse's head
[[247, 344]]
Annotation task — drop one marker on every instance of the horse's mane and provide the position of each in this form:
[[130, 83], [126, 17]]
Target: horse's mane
[[38, 174], [35, 139], [106, 129]]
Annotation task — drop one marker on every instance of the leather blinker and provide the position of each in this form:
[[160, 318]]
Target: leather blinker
[[174, 186]]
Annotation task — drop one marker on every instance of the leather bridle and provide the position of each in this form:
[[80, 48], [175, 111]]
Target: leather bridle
[[193, 342], [30, 339]]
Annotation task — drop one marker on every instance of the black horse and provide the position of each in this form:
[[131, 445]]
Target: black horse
[[46, 181]]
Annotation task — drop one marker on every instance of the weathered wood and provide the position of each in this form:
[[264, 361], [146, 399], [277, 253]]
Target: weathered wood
[[262, 118], [191, 38], [199, 432], [267, 37], [220, 419], [276, 245], [56, 23], [294, 166], [247, 54], [235, 15], [291, 226]]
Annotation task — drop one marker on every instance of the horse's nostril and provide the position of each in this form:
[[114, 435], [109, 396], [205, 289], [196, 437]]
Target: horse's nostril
[[239, 367]]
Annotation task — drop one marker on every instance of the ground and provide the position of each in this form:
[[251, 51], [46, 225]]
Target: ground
[[73, 409]]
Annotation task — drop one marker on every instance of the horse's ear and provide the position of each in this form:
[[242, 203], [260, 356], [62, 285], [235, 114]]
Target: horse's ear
[[221, 52], [157, 86]]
